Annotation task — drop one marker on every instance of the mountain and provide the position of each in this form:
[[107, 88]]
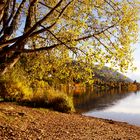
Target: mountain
[[105, 73], [109, 74]]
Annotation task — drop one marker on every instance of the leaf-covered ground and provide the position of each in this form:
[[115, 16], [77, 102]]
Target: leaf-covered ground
[[24, 123]]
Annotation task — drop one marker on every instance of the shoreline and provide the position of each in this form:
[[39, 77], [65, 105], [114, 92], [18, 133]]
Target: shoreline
[[121, 121], [20, 122]]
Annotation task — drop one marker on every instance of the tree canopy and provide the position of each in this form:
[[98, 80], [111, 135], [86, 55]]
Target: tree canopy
[[90, 31]]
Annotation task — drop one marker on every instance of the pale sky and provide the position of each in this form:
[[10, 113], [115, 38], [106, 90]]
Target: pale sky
[[136, 75]]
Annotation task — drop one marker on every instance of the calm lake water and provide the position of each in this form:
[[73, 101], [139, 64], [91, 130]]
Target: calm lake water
[[115, 105]]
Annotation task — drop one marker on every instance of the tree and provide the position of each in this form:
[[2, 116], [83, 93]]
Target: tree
[[97, 31], [46, 67]]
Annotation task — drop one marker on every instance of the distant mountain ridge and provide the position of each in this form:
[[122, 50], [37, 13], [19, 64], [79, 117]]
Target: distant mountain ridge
[[104, 73], [109, 74]]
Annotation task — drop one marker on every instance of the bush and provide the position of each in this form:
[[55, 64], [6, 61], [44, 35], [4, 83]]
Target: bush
[[27, 83], [38, 97], [11, 91], [60, 101]]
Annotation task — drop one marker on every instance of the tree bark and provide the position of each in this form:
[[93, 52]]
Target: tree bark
[[9, 63]]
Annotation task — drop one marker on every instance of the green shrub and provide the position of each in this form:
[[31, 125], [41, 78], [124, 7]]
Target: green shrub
[[13, 91], [37, 97], [17, 86], [60, 101], [60, 104]]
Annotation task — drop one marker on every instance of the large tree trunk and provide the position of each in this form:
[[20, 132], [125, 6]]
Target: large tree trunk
[[9, 63]]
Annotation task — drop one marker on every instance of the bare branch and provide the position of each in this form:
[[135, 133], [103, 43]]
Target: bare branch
[[34, 27], [14, 21], [29, 18], [17, 14], [30, 31], [12, 11], [2, 5]]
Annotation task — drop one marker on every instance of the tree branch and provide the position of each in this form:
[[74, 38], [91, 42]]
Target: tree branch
[[39, 49], [17, 14], [20, 40], [93, 35], [3, 44], [30, 31], [32, 34], [70, 48], [29, 18]]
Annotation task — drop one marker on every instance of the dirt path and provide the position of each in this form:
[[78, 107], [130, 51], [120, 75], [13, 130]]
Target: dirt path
[[23, 123]]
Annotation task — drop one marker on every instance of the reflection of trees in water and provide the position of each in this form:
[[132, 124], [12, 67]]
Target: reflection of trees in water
[[98, 100]]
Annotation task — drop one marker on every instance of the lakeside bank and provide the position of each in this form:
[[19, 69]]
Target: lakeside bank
[[24, 123]]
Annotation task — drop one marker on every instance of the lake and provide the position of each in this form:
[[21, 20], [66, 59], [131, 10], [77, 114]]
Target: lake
[[115, 105]]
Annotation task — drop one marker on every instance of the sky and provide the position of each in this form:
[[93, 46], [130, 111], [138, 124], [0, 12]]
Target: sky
[[136, 75]]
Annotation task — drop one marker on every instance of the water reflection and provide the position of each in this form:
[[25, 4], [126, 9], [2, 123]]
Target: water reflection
[[98, 100], [117, 105]]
